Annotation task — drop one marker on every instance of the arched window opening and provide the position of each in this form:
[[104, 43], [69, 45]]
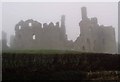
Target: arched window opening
[[34, 37], [30, 24], [19, 27]]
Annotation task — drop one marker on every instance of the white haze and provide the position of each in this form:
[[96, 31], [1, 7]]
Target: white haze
[[12, 13]]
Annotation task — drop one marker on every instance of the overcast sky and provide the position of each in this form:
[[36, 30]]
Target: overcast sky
[[12, 13]]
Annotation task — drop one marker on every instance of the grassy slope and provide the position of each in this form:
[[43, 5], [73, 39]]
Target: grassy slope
[[24, 66], [50, 52]]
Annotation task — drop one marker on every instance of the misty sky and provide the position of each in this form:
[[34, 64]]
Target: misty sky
[[12, 13]]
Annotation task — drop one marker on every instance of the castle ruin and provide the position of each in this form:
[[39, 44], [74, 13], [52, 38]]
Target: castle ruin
[[93, 37], [31, 34]]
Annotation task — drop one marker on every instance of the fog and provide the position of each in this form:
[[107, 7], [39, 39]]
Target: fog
[[12, 13]]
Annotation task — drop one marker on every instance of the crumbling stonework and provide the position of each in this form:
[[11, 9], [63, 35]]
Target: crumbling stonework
[[4, 41], [93, 37], [31, 34]]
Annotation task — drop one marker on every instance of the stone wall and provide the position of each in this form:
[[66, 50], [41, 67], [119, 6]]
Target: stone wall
[[93, 37], [31, 34]]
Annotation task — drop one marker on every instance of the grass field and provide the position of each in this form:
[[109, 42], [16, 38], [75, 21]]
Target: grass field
[[59, 65]]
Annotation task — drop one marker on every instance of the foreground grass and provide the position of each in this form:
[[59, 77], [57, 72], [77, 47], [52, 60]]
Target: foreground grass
[[41, 51], [59, 64], [45, 51]]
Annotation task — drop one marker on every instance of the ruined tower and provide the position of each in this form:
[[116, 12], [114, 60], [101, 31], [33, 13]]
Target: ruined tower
[[94, 37], [30, 34], [63, 25], [4, 41], [84, 13]]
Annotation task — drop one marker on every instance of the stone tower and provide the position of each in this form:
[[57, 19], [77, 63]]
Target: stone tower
[[4, 41], [63, 25], [94, 37], [84, 13]]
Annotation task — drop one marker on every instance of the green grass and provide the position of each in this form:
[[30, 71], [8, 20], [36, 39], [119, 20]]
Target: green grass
[[42, 51], [61, 64]]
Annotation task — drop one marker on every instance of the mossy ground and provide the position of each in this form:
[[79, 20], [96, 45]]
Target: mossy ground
[[59, 65]]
